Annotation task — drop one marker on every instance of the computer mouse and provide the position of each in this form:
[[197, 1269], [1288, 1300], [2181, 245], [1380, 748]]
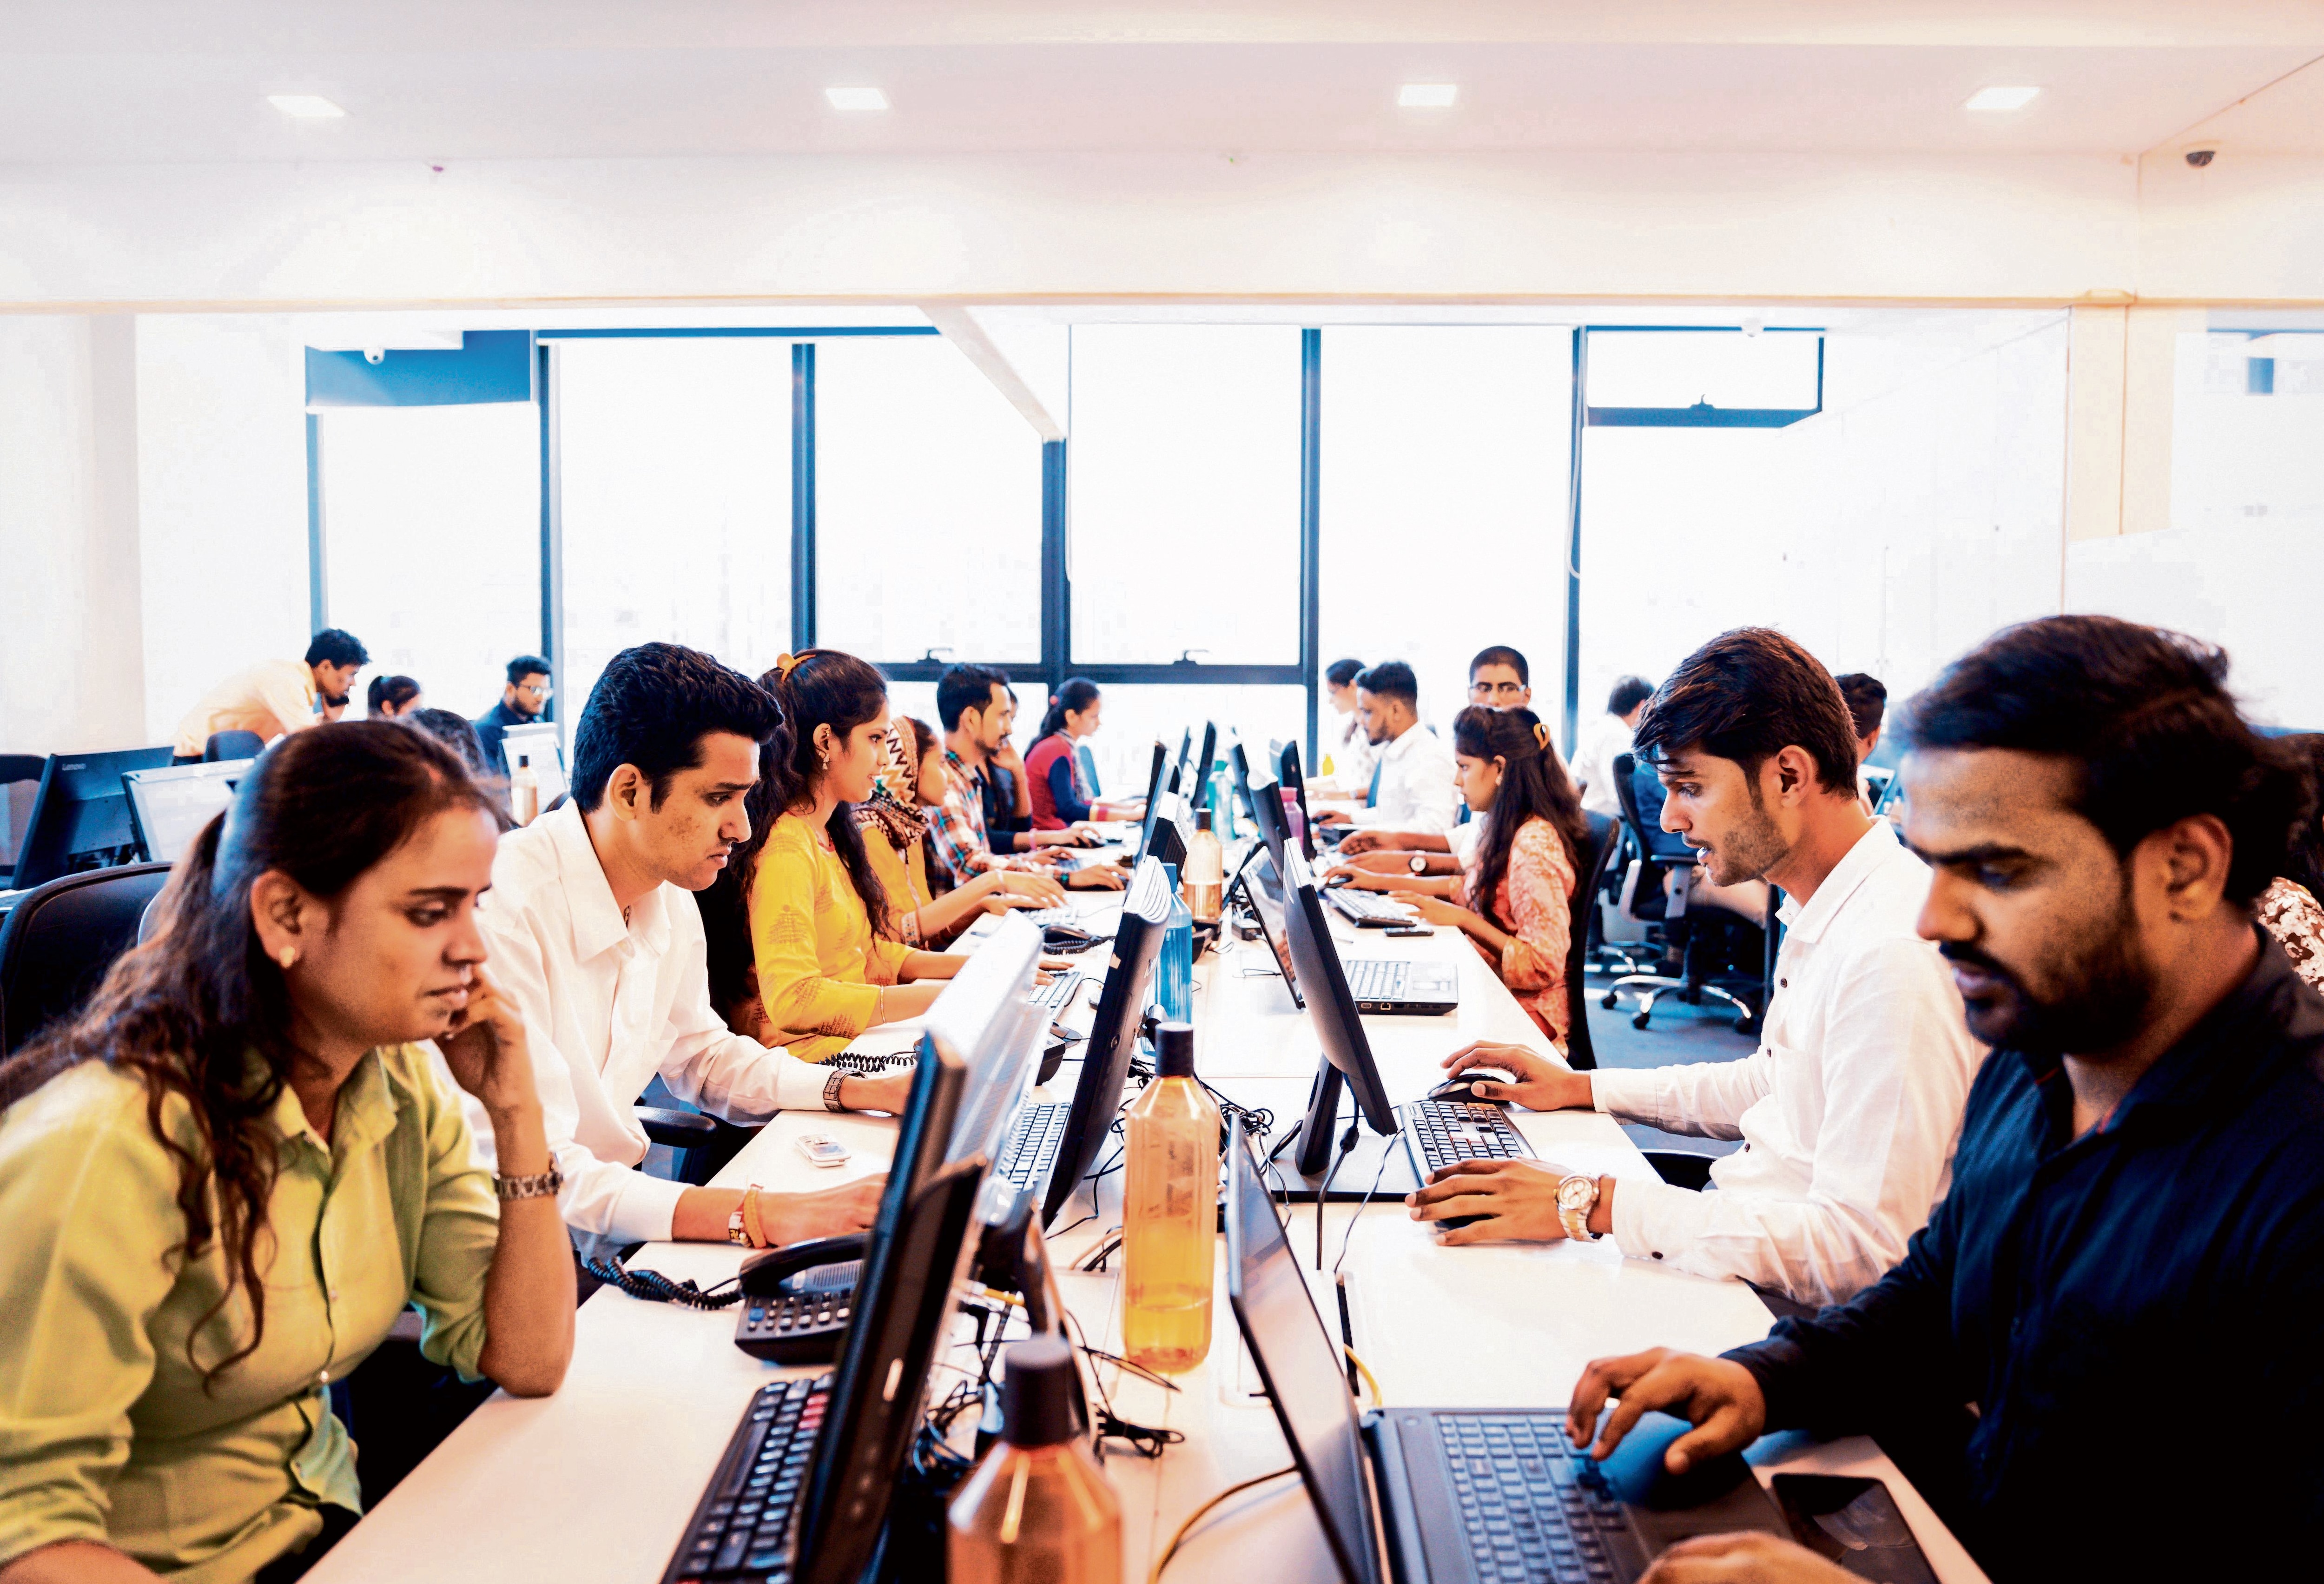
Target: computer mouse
[[1636, 1473], [1457, 1087], [1065, 937], [1341, 877]]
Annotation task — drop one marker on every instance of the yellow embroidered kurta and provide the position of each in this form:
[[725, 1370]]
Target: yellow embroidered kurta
[[904, 875], [819, 965]]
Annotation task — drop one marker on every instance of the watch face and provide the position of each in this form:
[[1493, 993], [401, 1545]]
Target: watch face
[[1419, 864], [1575, 1192]]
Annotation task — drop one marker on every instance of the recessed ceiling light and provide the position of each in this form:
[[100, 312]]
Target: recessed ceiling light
[[1427, 95], [305, 106], [856, 98], [2002, 98]]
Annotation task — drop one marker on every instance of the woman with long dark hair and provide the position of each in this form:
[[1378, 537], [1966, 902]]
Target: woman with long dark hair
[[1515, 901], [822, 932], [227, 1174], [1064, 791], [894, 828]]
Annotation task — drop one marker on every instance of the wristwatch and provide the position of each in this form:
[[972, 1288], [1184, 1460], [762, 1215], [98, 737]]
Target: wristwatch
[[1577, 1195], [533, 1185], [1419, 864], [831, 1091]]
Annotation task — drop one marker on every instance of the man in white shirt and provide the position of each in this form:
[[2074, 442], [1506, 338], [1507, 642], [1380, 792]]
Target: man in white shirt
[[276, 698], [1412, 771], [1602, 740], [594, 934], [1851, 1107], [1498, 678]]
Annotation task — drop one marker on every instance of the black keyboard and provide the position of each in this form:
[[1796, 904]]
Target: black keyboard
[[1058, 993], [741, 1532], [1377, 978], [1366, 908], [1533, 1509], [1442, 1132], [1031, 1151]]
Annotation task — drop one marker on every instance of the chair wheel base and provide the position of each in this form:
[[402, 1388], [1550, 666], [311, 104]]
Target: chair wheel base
[[1639, 1021], [1742, 1025], [1607, 1001]]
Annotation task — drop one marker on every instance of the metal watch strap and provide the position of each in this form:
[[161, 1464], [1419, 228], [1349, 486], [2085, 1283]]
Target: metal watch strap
[[831, 1091], [535, 1185], [1575, 1218]]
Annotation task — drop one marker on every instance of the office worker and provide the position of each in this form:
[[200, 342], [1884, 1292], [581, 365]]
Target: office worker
[[2288, 909], [228, 1173], [452, 729], [1850, 1108], [1064, 792], [1345, 744], [2139, 1193], [277, 697], [973, 702], [1605, 739], [894, 821], [1412, 769], [392, 698], [1498, 678], [1867, 707], [594, 934], [521, 702]]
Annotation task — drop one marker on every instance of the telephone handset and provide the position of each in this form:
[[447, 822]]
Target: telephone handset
[[797, 1300]]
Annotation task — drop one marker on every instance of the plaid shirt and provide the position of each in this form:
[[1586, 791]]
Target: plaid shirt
[[957, 826]]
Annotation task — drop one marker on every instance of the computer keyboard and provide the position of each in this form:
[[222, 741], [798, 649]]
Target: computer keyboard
[[742, 1529], [1032, 1142], [1377, 978], [1366, 907], [1058, 993], [1533, 1509], [1451, 1131]]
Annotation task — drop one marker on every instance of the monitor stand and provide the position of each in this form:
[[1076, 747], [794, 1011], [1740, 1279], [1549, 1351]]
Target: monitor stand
[[1378, 1167]]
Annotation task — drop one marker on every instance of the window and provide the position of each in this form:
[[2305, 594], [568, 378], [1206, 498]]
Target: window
[[1184, 493], [1445, 508], [928, 505], [431, 532], [675, 499]]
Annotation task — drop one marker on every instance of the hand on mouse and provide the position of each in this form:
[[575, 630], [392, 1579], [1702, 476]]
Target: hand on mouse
[[1543, 1083], [1743, 1559], [1515, 1201], [1720, 1398]]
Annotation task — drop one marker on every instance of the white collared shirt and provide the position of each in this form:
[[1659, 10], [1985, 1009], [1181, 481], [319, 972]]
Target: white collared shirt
[[607, 1004], [1593, 764], [1848, 1111], [1416, 785]]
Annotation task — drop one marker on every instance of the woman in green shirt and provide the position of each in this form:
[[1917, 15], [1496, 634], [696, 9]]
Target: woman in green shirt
[[224, 1178]]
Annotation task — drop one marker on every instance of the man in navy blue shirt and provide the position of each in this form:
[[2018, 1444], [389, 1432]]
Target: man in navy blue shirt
[[2110, 1327]]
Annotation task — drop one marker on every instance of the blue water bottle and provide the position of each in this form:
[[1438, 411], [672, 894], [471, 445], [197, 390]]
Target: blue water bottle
[[1173, 979]]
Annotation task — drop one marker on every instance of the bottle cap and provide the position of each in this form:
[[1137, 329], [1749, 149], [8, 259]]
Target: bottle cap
[[1174, 1049], [1202, 819], [523, 761], [1036, 1395]]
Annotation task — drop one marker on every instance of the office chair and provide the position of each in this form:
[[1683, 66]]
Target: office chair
[[60, 940], [1622, 948], [702, 1144], [232, 745], [1590, 866], [1681, 1168], [1691, 930], [20, 778]]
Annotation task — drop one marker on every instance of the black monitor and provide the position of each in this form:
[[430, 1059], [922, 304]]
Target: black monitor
[[1295, 788], [169, 806], [913, 1260], [1347, 1052], [1197, 785], [1179, 766], [80, 815], [1003, 1060], [1271, 823], [1239, 762], [1262, 888], [1154, 787], [1113, 1035]]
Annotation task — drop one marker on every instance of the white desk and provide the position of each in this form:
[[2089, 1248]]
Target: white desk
[[597, 1483]]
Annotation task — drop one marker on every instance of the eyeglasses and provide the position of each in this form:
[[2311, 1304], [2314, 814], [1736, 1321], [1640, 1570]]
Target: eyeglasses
[[539, 691], [1481, 690]]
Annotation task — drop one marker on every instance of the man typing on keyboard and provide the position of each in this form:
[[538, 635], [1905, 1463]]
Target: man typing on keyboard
[[1850, 1108]]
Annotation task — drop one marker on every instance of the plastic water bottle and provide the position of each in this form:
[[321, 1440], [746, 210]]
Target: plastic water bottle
[[1174, 977], [1169, 1212], [1037, 1506]]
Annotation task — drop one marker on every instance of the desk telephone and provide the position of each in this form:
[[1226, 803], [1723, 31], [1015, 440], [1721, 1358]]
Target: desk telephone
[[797, 1302]]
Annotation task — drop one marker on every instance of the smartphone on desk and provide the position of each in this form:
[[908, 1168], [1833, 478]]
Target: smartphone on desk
[[1855, 1521], [1409, 930]]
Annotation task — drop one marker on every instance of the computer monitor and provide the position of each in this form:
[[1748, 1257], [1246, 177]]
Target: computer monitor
[[169, 806], [1154, 788], [1270, 827], [1295, 799], [1197, 786], [1113, 1034], [913, 1260], [80, 815], [1001, 1063], [1240, 763], [538, 746], [1262, 888], [1178, 764], [1347, 1052]]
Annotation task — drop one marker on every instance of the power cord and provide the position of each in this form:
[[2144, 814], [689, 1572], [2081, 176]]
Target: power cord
[[1349, 1235], [655, 1288], [1324, 1194], [1153, 1575]]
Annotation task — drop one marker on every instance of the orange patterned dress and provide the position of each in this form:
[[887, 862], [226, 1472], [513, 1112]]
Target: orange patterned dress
[[1535, 906]]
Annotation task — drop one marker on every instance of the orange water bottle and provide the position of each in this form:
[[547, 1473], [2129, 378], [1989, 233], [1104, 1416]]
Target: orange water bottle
[[1036, 1510], [1170, 1212]]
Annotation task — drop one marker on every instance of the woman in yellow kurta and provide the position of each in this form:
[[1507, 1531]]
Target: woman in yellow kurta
[[822, 935], [224, 1178]]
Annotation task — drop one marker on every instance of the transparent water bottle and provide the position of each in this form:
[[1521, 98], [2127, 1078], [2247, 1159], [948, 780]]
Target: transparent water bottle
[[1169, 1212], [1204, 891], [1037, 1510], [524, 790], [1174, 976]]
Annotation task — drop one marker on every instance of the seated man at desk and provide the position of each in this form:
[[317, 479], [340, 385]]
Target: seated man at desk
[[1498, 678], [972, 701], [2137, 1206], [276, 698], [1412, 771], [595, 935], [1849, 1109]]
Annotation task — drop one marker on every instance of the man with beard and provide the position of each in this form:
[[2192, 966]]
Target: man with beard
[[2115, 1309], [1849, 1109], [276, 698], [523, 701]]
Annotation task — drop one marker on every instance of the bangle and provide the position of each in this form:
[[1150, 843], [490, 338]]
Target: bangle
[[751, 1228], [535, 1185], [831, 1086]]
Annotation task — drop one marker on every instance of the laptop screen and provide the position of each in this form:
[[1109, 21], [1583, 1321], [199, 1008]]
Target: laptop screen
[[1301, 1366]]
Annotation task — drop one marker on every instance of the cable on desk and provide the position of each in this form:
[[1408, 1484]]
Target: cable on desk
[[655, 1288], [1371, 1380], [1153, 1574], [1349, 1235], [1324, 1194]]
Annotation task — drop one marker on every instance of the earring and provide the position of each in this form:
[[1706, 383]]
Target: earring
[[825, 760], [286, 956]]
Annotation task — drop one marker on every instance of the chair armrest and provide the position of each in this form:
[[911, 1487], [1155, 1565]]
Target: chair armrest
[[1681, 1168], [682, 1130]]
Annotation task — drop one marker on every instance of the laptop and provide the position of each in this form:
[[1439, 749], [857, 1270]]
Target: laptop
[[543, 754], [171, 806], [1455, 1495]]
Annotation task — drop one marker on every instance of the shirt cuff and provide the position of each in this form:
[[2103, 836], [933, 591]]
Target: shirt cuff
[[798, 1085], [1653, 1220]]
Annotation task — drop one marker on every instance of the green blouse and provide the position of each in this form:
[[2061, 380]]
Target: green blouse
[[106, 1430]]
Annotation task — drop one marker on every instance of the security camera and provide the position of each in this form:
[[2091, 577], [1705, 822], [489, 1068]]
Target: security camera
[[374, 355], [2199, 158]]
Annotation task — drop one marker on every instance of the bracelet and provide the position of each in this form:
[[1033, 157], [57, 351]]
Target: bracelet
[[751, 1223], [831, 1086], [534, 1185]]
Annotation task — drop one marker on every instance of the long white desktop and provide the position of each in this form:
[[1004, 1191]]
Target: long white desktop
[[597, 1482]]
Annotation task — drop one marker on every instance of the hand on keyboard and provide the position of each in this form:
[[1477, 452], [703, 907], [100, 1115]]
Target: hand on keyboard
[[1506, 1202]]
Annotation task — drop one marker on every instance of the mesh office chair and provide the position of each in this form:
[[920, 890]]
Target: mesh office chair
[[1694, 930], [232, 745], [59, 941], [1590, 866], [19, 780]]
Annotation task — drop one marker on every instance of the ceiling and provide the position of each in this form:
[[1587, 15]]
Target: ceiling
[[118, 82]]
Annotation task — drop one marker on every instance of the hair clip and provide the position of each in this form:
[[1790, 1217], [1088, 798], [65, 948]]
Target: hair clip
[[1541, 736], [785, 664]]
